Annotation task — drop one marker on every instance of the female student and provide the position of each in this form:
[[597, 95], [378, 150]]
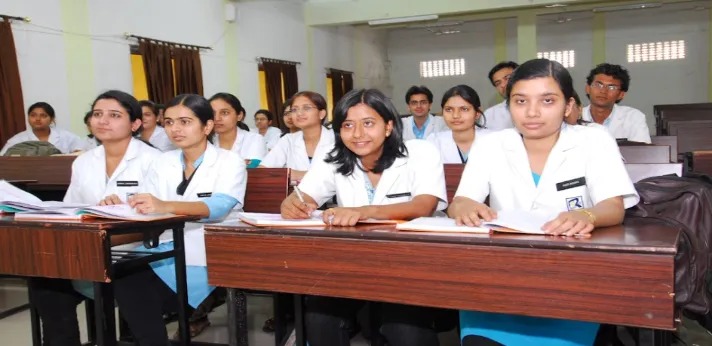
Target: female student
[[263, 121], [572, 173], [150, 131], [463, 115], [373, 174], [250, 146], [108, 174], [297, 150], [41, 116], [288, 122], [201, 180], [91, 141]]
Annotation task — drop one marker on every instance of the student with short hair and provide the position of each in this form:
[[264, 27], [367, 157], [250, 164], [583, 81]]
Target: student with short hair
[[263, 122], [498, 116], [606, 86], [228, 135], [524, 169], [462, 112], [374, 174], [41, 117], [150, 131], [421, 123]]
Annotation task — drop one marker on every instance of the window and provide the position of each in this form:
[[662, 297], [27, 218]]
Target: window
[[564, 57], [656, 51], [442, 68], [140, 86]]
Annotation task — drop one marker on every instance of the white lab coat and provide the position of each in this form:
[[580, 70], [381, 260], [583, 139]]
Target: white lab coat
[[65, 141], [89, 183], [624, 122], [248, 145], [159, 139], [498, 117], [447, 147], [436, 124], [420, 173], [582, 154], [91, 142], [222, 171], [271, 136], [291, 151]]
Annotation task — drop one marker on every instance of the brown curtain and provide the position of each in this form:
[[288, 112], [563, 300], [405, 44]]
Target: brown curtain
[[12, 113], [273, 78], [159, 71], [189, 73], [291, 85], [348, 82], [337, 88]]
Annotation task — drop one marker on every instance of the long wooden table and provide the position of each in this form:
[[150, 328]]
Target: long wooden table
[[622, 275]]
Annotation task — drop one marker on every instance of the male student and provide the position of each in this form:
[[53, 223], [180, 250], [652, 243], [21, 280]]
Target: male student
[[497, 117], [606, 86], [421, 124]]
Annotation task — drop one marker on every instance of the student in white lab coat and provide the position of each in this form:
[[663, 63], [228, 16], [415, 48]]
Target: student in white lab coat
[[463, 115], [498, 116], [263, 121], [201, 180], [228, 135], [606, 86], [107, 174], [90, 139], [374, 174], [41, 118], [150, 131], [574, 174], [421, 123], [298, 150], [289, 125]]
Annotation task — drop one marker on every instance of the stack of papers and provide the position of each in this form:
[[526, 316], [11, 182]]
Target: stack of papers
[[115, 212], [276, 220], [511, 221]]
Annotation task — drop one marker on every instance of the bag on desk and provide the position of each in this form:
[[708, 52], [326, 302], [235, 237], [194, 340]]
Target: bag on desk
[[684, 203], [32, 148]]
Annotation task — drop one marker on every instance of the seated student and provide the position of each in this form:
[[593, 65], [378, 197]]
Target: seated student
[[108, 174], [288, 119], [524, 169], [263, 121], [150, 131], [228, 135], [374, 174], [498, 116], [606, 86], [296, 150], [421, 123], [241, 118], [160, 108], [463, 115], [91, 141], [41, 116], [200, 179]]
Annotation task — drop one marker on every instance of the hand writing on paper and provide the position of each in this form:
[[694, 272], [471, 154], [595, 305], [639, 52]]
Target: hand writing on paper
[[145, 203], [570, 223], [293, 208], [111, 200], [344, 216], [468, 212]]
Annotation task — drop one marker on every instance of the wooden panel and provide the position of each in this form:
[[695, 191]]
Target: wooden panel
[[453, 173], [667, 140], [605, 287], [266, 189], [55, 171], [640, 171], [646, 154], [702, 162], [52, 253], [692, 137], [663, 120]]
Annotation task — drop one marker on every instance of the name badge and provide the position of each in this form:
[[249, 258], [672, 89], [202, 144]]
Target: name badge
[[570, 184], [126, 183], [205, 194], [396, 195]]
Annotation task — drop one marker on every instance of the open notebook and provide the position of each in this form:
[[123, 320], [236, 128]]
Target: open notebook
[[13, 200], [115, 212], [276, 220], [511, 221]]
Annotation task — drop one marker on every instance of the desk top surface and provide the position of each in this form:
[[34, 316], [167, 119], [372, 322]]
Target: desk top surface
[[636, 235], [93, 224]]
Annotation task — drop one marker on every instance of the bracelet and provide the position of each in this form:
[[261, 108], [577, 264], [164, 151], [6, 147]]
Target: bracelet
[[591, 217]]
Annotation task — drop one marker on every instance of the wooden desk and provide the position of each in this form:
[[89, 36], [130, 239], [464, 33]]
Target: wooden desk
[[50, 172], [640, 171], [667, 140], [622, 275], [81, 250], [646, 153]]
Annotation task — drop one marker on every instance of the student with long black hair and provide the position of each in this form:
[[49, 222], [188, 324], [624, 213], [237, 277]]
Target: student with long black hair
[[374, 174], [229, 135], [41, 117]]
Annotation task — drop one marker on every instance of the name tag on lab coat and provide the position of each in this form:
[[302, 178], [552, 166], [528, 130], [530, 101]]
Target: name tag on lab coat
[[398, 195], [126, 183], [570, 184], [205, 194]]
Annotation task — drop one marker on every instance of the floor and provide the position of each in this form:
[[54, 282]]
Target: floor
[[15, 330]]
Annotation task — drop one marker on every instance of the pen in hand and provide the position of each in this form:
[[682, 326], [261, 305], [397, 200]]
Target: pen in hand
[[301, 197]]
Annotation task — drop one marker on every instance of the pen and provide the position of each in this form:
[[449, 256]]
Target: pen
[[299, 194]]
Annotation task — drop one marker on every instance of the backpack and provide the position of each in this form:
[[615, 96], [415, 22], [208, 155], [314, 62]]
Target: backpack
[[32, 148], [684, 203]]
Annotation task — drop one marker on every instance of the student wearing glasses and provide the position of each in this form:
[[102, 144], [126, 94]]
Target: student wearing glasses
[[421, 123], [498, 116], [606, 86], [201, 180]]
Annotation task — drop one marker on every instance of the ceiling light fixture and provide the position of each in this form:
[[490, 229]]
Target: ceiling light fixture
[[628, 7]]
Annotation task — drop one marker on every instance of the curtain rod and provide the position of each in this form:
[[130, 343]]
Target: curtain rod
[[286, 62], [6, 17], [329, 69], [165, 42]]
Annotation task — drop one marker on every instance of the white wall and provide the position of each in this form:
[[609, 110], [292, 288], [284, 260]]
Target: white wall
[[333, 48]]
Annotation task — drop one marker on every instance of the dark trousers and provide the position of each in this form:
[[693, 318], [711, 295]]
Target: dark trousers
[[56, 303], [143, 298], [330, 321]]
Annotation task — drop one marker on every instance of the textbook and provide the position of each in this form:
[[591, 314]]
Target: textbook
[[276, 220], [114, 212], [509, 221], [13, 200]]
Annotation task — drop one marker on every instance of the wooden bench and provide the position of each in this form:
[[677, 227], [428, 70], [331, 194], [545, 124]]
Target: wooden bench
[[640, 171], [670, 141], [266, 189], [646, 153], [699, 161]]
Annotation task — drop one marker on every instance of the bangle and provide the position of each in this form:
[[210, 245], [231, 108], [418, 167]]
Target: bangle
[[591, 217]]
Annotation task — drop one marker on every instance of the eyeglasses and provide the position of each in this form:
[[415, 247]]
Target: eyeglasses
[[610, 87], [297, 110], [261, 119], [421, 102]]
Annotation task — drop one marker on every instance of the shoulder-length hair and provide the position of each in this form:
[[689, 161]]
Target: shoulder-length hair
[[393, 147]]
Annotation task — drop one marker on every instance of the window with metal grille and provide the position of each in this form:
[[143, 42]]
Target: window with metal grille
[[442, 68], [564, 57], [657, 51]]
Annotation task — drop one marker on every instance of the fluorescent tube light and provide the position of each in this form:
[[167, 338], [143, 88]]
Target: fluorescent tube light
[[403, 20], [628, 7]]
